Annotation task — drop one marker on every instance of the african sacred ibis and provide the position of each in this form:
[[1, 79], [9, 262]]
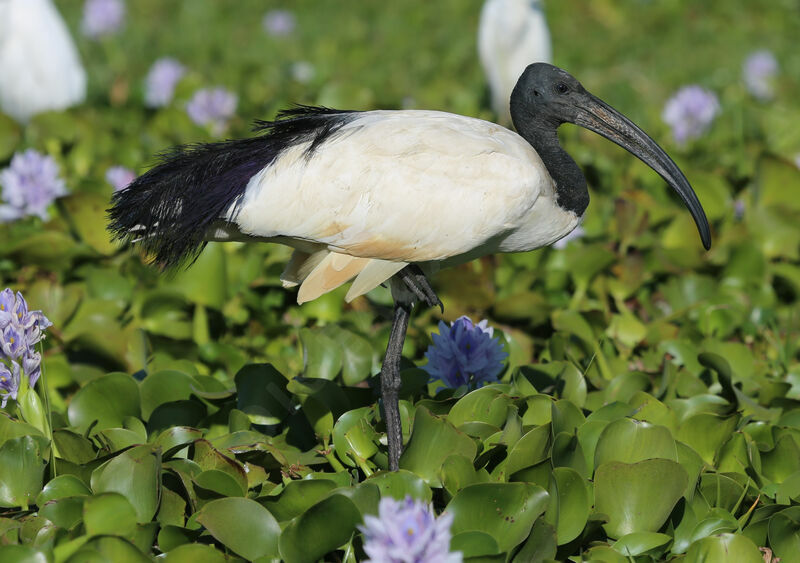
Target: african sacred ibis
[[386, 195], [511, 35], [40, 69]]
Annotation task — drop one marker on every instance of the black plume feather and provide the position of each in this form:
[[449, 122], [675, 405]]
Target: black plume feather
[[169, 209]]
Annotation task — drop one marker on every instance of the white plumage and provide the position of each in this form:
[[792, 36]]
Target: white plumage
[[435, 189], [511, 35], [40, 68]]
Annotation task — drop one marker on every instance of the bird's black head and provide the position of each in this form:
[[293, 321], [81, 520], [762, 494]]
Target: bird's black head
[[546, 96]]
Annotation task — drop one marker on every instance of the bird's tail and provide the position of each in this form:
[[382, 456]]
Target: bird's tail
[[169, 209]]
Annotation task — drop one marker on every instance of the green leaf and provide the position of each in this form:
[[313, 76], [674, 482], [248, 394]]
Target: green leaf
[[62, 486], [297, 497], [106, 400], [706, 433], [322, 355], [237, 522], [319, 530], [784, 533], [529, 450], [164, 387], [194, 552], [135, 474], [731, 548], [474, 544], [21, 470], [487, 405], [639, 543], [630, 440], [262, 394], [22, 553], [87, 214], [637, 497], [109, 514], [432, 441], [205, 281], [571, 502], [398, 484], [504, 511]]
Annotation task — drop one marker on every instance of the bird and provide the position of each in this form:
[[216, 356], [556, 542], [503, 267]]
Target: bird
[[386, 196], [40, 68], [511, 35]]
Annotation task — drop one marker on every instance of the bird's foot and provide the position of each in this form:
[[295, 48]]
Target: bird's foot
[[419, 285]]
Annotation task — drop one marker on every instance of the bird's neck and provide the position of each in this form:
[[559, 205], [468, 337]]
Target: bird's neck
[[572, 193]]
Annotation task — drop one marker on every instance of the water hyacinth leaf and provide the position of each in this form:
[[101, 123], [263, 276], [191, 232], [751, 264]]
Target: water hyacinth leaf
[[399, 484], [731, 548], [9, 136], [87, 214], [49, 249], [366, 497], [706, 433], [135, 474], [353, 437], [629, 441], [176, 413], [487, 405], [606, 554], [213, 483], [457, 472], [529, 450], [110, 548], [109, 513], [322, 355], [784, 533], [356, 354], [540, 546], [22, 553], [205, 281], [715, 521], [570, 502], [209, 458], [474, 544], [73, 447], [174, 439], [237, 522], [164, 387], [505, 511], [297, 497], [782, 461], [194, 552], [637, 497], [639, 543], [21, 470], [261, 394], [64, 513], [322, 528], [62, 486], [171, 509], [720, 491], [432, 441], [106, 401]]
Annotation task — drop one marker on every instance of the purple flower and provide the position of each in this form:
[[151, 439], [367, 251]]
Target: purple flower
[[161, 80], [119, 177], [758, 72], [690, 112], [20, 331], [279, 23], [407, 531], [30, 184], [102, 17], [212, 106], [575, 234], [9, 382], [465, 354], [738, 209]]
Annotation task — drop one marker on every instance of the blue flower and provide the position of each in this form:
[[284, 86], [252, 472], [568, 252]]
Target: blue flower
[[161, 80], [407, 531], [465, 354], [279, 23], [758, 72], [9, 382], [20, 330], [690, 112], [102, 17], [30, 184], [212, 106], [119, 177]]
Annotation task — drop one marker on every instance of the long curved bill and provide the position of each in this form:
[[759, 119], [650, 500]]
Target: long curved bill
[[598, 116]]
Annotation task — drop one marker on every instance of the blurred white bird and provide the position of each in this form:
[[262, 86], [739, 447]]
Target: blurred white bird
[[511, 35], [40, 69]]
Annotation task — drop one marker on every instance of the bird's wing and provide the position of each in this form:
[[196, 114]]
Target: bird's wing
[[401, 186]]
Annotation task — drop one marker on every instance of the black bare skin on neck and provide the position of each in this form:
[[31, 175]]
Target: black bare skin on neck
[[537, 115]]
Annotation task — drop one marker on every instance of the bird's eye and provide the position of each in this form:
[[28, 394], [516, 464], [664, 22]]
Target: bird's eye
[[562, 88], [536, 93]]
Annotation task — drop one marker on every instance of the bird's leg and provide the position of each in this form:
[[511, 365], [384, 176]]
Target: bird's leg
[[418, 284], [413, 278], [390, 382]]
